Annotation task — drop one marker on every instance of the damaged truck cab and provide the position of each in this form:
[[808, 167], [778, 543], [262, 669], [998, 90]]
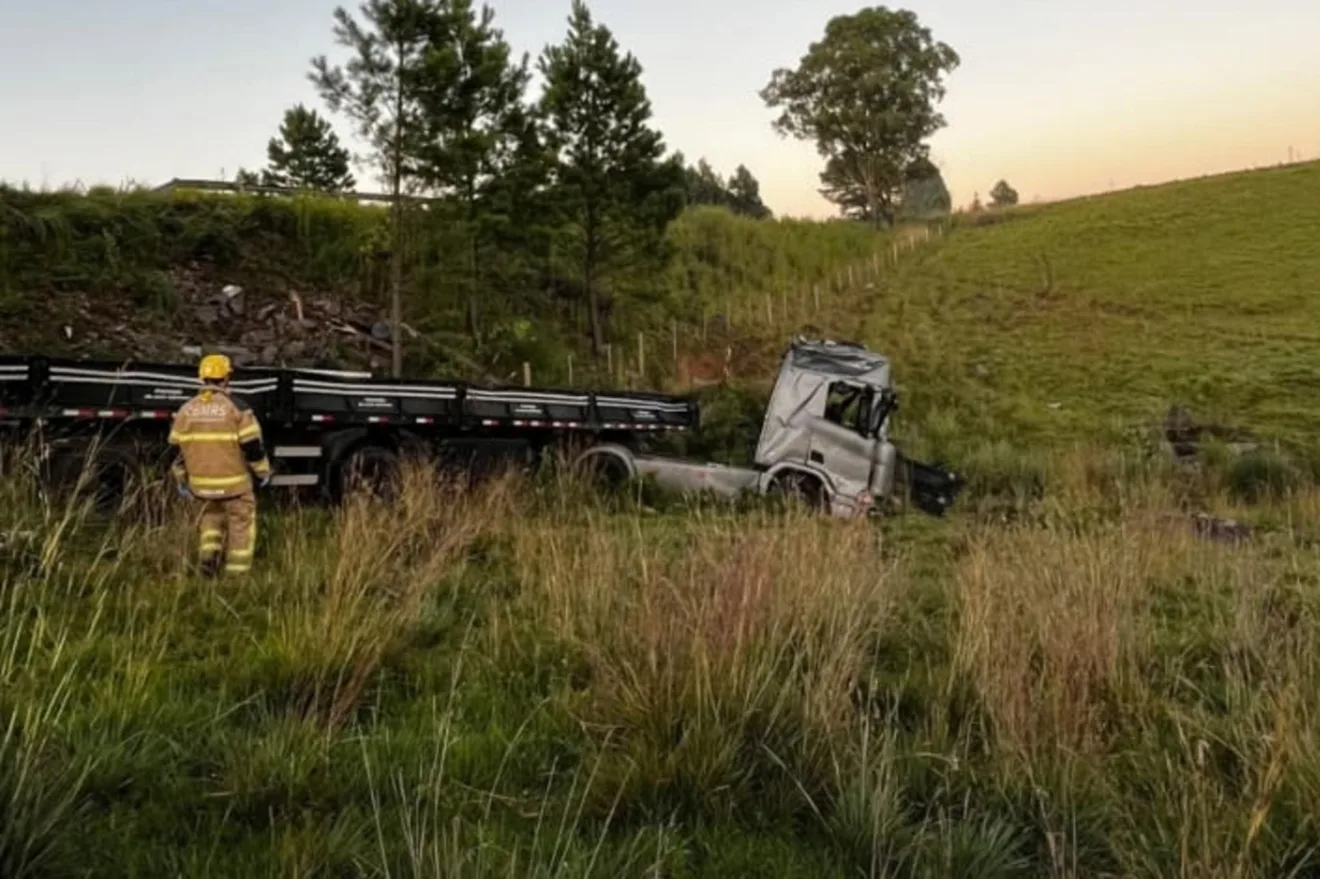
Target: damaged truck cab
[[824, 440]]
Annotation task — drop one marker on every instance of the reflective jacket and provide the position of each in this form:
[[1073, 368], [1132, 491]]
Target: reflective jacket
[[218, 439]]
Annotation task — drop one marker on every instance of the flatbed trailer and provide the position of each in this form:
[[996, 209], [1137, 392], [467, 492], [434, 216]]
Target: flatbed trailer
[[824, 437], [318, 425]]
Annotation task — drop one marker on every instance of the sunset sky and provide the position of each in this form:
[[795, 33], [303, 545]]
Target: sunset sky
[[1060, 97]]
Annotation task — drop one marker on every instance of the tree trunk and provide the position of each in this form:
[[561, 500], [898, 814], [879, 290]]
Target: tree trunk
[[589, 281], [396, 281], [593, 308], [396, 234], [474, 326], [872, 202]]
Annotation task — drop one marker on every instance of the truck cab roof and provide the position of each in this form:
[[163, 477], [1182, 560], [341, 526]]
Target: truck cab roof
[[838, 360]]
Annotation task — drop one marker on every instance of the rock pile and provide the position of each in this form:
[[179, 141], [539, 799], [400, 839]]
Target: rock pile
[[269, 328], [297, 331]]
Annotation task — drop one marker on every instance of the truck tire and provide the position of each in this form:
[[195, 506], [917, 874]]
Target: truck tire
[[604, 467], [797, 487], [373, 469], [607, 471], [102, 477]]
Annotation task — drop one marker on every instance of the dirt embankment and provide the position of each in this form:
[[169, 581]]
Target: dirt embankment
[[255, 323]]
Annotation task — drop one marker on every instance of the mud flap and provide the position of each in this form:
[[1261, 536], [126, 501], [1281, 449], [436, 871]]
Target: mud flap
[[930, 489]]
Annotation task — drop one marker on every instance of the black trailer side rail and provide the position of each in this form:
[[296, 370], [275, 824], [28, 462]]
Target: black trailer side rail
[[36, 387]]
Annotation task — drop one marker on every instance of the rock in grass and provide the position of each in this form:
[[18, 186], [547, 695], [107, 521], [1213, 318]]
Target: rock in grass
[[1219, 529]]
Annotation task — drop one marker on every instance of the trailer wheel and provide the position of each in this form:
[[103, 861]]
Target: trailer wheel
[[606, 472], [795, 487], [372, 469], [101, 478]]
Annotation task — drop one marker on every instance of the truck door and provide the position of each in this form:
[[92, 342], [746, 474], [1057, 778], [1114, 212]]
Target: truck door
[[839, 444]]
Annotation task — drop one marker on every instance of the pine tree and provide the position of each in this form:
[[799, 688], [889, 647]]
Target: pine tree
[[307, 154], [475, 122], [706, 187], [745, 194], [247, 179], [379, 89], [611, 182]]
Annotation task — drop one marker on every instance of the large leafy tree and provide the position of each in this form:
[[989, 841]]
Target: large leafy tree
[[612, 183], [307, 154], [380, 89], [866, 94], [476, 126], [924, 191], [1003, 195]]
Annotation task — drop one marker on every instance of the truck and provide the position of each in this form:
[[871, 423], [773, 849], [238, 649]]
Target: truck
[[824, 441], [824, 437]]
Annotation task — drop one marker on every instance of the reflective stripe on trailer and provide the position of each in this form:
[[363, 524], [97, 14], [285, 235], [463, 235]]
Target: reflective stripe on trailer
[[149, 414], [95, 413], [296, 452], [295, 479]]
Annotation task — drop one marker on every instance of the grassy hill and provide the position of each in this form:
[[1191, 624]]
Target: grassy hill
[[1065, 678], [1201, 292]]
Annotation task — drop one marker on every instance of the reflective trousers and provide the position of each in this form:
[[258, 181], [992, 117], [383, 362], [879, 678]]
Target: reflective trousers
[[229, 531]]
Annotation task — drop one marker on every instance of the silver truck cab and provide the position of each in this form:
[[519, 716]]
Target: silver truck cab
[[826, 428], [824, 439]]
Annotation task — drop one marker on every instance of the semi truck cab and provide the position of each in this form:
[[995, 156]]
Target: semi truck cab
[[827, 425], [824, 439]]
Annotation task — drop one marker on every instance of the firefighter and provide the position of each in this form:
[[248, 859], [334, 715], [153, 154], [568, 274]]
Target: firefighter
[[219, 442]]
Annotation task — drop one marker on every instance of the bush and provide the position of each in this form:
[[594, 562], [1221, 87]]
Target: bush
[[1260, 475]]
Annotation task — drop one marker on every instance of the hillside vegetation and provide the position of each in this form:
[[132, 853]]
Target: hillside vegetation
[[131, 274], [1111, 308], [1064, 678]]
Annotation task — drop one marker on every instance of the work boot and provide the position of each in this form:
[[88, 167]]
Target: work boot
[[211, 566]]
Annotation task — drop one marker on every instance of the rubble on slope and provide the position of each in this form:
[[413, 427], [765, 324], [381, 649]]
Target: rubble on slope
[[273, 328]]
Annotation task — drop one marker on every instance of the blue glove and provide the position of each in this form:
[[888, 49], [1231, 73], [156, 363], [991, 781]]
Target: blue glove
[[183, 490], [265, 481]]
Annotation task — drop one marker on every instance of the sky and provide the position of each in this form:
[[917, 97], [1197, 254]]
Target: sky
[[1059, 97]]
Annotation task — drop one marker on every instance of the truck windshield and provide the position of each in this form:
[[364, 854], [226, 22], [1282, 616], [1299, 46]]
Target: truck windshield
[[848, 406]]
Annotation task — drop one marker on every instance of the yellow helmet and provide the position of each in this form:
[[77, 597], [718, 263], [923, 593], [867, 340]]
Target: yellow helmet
[[214, 367]]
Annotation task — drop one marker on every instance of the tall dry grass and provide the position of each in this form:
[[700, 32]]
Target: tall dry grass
[[343, 595], [1159, 682], [1094, 689], [715, 651]]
